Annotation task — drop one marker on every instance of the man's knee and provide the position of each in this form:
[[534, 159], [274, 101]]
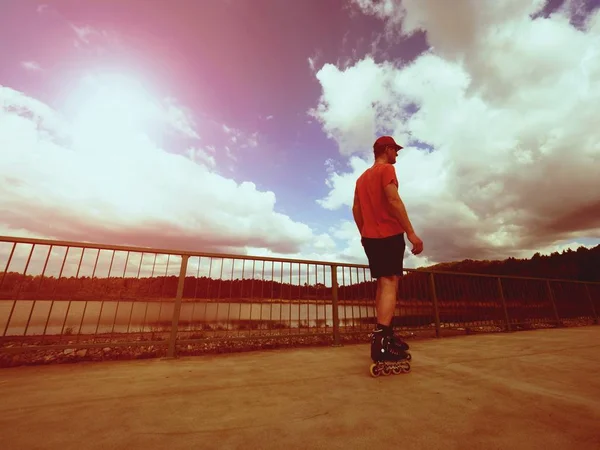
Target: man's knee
[[389, 280]]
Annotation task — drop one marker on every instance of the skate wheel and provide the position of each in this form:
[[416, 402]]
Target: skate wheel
[[375, 372], [397, 370], [405, 366], [387, 370]]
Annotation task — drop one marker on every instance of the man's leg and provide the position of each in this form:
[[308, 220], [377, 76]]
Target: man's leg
[[385, 300]]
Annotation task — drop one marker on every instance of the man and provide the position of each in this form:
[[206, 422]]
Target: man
[[382, 220]]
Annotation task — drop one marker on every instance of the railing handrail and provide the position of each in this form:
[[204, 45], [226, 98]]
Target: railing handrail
[[162, 251], [182, 253]]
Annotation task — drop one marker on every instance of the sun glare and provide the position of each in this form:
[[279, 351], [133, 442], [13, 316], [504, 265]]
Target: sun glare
[[111, 107]]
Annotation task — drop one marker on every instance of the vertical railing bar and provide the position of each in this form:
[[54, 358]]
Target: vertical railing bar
[[71, 296], [290, 299], [551, 295], [411, 299], [374, 290], [177, 308], [420, 289], [108, 283], [162, 293], [281, 294], [45, 266], [307, 298], [148, 298], [86, 301], [241, 302], [252, 298], [454, 296], [14, 304], [228, 322], [345, 298], [112, 331], [272, 293], [488, 310], [262, 296], [334, 309], [53, 295], [192, 320], [220, 284], [317, 290], [359, 301], [77, 277], [7, 264], [136, 295], [436, 311], [460, 293], [540, 298], [504, 307], [299, 297], [208, 296], [324, 297], [472, 306], [480, 316], [351, 299], [367, 296], [133, 301], [515, 310], [38, 290]]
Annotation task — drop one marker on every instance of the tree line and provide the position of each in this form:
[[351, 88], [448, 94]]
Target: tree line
[[582, 264]]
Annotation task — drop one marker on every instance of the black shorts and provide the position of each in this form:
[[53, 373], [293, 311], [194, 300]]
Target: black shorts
[[385, 255]]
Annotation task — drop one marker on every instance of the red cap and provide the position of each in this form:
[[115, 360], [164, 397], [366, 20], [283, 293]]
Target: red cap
[[386, 141]]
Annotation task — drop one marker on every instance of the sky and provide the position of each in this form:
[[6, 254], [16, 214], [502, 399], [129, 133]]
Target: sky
[[241, 126]]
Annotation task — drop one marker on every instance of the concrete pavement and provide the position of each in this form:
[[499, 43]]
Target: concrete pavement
[[524, 390]]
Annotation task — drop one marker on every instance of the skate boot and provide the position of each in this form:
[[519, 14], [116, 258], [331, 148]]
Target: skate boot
[[398, 342], [388, 356]]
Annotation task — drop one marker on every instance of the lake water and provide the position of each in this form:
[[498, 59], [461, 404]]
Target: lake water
[[127, 316]]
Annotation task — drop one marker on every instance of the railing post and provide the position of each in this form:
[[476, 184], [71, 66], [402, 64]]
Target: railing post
[[436, 310], [551, 296], [589, 296], [177, 309], [334, 307], [508, 327]]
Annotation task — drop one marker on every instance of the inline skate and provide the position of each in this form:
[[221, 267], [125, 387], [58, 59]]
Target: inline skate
[[389, 354]]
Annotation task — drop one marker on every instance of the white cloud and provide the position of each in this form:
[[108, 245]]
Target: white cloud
[[119, 187], [201, 156], [31, 65], [241, 139], [180, 118], [84, 33], [96, 39], [559, 248], [509, 105]]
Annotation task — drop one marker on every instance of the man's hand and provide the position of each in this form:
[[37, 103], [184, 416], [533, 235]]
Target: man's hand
[[416, 242]]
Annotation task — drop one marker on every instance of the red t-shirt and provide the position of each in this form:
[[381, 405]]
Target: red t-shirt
[[378, 219]]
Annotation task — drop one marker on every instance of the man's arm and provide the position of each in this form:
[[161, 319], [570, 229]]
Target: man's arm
[[398, 210], [397, 207], [357, 212]]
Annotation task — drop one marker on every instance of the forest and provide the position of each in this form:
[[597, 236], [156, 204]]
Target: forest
[[582, 265]]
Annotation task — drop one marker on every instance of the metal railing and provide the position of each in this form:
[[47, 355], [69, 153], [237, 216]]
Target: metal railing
[[71, 295]]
